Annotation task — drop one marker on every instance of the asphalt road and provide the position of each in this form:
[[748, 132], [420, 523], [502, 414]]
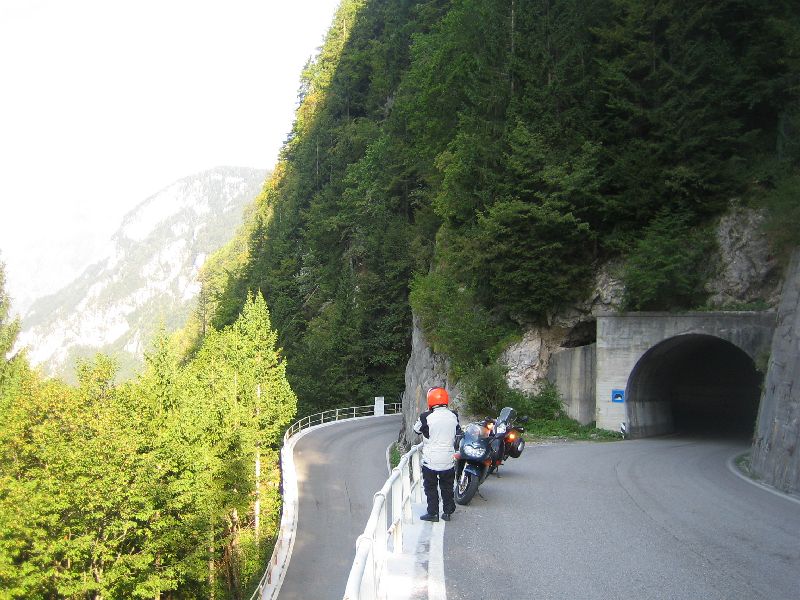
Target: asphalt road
[[641, 519], [339, 469]]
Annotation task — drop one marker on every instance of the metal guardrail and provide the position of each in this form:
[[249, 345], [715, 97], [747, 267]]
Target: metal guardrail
[[338, 414], [366, 579], [270, 582]]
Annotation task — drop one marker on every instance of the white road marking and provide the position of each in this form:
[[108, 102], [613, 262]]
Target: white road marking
[[436, 589]]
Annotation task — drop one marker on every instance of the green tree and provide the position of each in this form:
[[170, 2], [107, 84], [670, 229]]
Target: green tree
[[78, 499], [9, 328], [240, 405], [665, 269]]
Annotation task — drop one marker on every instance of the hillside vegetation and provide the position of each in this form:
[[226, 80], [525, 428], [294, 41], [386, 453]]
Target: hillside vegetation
[[162, 487], [477, 160]]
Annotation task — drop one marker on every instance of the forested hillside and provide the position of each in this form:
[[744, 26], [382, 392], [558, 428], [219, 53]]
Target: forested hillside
[[478, 159], [163, 487]]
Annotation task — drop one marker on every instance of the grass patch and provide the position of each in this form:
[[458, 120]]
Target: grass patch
[[394, 455], [564, 428], [743, 463]]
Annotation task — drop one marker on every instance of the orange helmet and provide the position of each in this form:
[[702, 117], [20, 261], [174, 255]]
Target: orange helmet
[[437, 397]]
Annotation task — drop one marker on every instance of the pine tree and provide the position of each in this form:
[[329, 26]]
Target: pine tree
[[9, 328]]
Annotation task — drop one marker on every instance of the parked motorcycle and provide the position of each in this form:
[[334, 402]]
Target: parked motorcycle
[[483, 448]]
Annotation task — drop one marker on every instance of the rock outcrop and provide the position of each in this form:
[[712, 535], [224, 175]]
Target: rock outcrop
[[425, 369], [747, 272], [531, 360], [776, 457]]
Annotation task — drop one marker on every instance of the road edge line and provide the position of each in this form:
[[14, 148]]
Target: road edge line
[[436, 587], [736, 471]]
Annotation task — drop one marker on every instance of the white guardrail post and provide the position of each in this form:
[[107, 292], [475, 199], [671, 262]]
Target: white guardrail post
[[271, 581], [366, 580]]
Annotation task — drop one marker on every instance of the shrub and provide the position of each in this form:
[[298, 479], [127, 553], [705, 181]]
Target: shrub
[[487, 393], [485, 389], [546, 404]]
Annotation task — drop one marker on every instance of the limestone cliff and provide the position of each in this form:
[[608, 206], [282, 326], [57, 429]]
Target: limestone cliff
[[776, 459], [425, 369], [746, 270]]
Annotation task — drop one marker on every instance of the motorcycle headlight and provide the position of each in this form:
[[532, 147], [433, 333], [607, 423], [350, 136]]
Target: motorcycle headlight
[[473, 451]]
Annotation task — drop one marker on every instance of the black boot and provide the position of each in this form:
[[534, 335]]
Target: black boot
[[446, 516], [429, 517]]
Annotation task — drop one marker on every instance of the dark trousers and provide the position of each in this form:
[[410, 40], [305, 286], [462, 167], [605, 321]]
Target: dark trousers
[[444, 481]]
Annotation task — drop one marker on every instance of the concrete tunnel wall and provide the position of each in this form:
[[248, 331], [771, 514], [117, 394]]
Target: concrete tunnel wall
[[668, 363]]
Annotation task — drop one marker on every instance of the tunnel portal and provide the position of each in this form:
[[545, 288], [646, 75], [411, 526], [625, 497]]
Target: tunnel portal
[[657, 373], [697, 384]]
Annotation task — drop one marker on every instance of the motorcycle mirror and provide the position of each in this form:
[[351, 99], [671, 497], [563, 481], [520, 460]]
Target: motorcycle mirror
[[523, 419]]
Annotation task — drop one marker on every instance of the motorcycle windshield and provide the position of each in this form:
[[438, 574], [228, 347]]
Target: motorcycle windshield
[[507, 415], [475, 432]]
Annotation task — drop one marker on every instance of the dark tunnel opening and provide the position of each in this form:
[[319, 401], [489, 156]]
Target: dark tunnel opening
[[696, 384]]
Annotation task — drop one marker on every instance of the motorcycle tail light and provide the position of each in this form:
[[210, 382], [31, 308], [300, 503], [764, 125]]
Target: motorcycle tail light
[[487, 462], [457, 456]]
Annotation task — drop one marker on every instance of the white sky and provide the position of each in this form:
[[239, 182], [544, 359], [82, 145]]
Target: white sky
[[103, 103]]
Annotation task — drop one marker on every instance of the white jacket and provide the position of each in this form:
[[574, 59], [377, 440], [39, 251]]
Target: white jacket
[[438, 428]]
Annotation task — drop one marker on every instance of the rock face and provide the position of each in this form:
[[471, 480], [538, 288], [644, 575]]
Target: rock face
[[425, 369], [747, 272], [776, 458], [527, 360]]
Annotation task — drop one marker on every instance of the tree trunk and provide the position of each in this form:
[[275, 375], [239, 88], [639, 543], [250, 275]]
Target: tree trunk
[[211, 568], [231, 559], [513, 45], [158, 569]]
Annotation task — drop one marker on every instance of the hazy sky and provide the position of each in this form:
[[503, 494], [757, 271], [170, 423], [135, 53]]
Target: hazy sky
[[103, 103]]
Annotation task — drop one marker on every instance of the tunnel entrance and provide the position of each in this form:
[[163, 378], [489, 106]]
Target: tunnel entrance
[[697, 384]]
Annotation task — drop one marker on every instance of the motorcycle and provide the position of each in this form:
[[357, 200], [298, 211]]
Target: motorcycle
[[483, 448]]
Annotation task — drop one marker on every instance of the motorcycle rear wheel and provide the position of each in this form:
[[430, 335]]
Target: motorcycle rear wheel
[[465, 489]]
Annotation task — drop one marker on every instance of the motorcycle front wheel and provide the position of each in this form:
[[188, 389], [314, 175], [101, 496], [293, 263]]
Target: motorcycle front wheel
[[516, 448], [466, 486]]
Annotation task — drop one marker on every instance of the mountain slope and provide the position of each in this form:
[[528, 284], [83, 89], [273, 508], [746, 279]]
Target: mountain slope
[[478, 161], [147, 276]]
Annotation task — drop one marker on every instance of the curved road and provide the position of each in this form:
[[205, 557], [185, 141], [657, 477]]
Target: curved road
[[661, 518], [339, 468]]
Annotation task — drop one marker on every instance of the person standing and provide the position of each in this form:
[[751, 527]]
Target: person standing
[[438, 427]]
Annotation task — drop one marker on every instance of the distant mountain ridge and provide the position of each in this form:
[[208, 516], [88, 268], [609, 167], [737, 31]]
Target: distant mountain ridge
[[146, 277]]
